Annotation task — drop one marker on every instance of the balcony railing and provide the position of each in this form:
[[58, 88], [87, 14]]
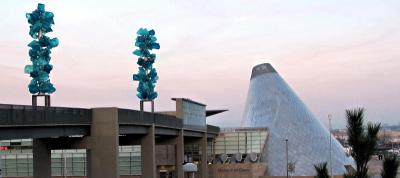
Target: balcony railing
[[20, 115]]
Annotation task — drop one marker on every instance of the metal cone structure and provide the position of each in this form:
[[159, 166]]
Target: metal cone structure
[[272, 103]]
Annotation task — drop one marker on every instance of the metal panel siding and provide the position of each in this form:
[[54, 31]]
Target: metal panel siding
[[194, 114]]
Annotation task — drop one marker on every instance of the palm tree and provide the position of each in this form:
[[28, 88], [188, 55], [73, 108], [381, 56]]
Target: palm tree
[[322, 170], [362, 140], [390, 166]]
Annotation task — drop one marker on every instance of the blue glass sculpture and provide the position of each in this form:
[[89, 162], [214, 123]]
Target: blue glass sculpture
[[40, 23], [147, 75]]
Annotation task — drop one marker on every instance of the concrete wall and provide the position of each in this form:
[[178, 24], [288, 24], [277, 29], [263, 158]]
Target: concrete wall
[[295, 176], [242, 170], [76, 177], [165, 155]]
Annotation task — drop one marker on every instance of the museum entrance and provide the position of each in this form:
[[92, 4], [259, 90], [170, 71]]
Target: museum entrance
[[167, 171]]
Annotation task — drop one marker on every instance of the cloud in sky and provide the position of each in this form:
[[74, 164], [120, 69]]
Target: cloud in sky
[[334, 54]]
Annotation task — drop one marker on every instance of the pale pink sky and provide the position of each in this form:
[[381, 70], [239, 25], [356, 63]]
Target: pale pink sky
[[334, 54]]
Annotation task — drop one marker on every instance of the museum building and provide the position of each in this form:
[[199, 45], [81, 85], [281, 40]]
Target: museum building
[[279, 137], [46, 142]]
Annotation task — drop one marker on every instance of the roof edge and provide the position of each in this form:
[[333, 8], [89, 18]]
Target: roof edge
[[262, 69]]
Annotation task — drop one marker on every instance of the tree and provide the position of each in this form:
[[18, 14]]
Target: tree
[[362, 140], [390, 166], [322, 170]]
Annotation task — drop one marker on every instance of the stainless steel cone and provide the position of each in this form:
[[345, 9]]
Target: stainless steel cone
[[273, 104]]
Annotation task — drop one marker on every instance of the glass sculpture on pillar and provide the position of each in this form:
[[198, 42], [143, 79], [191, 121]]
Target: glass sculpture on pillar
[[147, 75], [40, 23]]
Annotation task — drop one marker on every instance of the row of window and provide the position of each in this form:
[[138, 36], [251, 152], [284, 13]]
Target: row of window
[[72, 163], [240, 142]]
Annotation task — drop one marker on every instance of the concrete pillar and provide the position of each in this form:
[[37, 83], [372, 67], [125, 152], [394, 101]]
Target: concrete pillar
[[179, 148], [103, 153], [148, 147], [203, 163], [88, 164], [41, 159]]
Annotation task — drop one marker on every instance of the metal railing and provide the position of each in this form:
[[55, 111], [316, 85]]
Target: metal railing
[[23, 115], [20, 115], [126, 116]]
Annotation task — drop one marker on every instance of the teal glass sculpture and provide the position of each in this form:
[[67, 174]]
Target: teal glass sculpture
[[147, 75], [40, 23]]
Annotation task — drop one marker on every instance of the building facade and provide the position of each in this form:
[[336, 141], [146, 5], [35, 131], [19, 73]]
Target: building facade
[[45, 142], [295, 135]]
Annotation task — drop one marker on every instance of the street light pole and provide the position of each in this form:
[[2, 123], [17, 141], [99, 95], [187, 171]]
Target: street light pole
[[287, 159], [330, 144]]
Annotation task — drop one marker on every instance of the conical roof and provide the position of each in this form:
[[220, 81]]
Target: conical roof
[[272, 103]]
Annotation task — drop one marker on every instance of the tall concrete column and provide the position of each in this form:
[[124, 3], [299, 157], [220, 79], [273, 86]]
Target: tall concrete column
[[180, 153], [148, 149], [103, 153], [41, 159], [203, 164]]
